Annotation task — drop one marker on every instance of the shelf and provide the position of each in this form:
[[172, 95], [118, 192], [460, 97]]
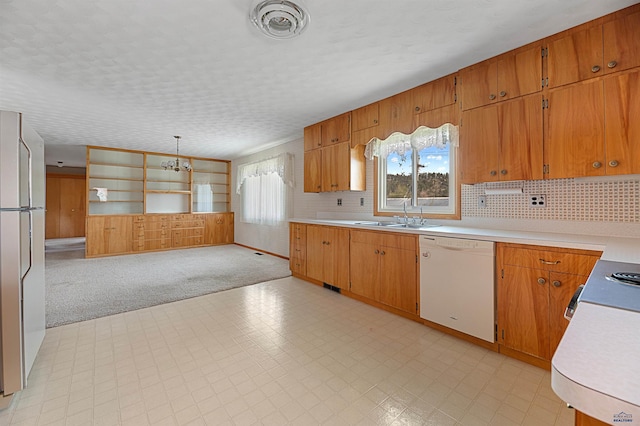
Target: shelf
[[168, 181], [167, 191], [116, 201], [135, 166], [114, 178]]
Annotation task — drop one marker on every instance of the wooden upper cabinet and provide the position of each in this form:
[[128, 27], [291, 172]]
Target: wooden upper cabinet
[[435, 94], [520, 72], [507, 76], [622, 43], [574, 144], [437, 117], [396, 115], [622, 123], [365, 117], [575, 57], [313, 171], [503, 141], [312, 137], [336, 130], [479, 84]]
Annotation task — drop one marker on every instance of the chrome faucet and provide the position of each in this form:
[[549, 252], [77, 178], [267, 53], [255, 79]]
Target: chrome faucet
[[406, 218]]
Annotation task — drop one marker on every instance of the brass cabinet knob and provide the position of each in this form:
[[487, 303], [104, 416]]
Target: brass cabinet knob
[[492, 97], [376, 252], [417, 108], [503, 94], [557, 283], [503, 171], [493, 173], [375, 121], [595, 68], [597, 164], [612, 64], [541, 281], [613, 163], [382, 253]]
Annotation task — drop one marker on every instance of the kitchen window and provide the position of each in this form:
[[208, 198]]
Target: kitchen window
[[417, 172], [264, 188]]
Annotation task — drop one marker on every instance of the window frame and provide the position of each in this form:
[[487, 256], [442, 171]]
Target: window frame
[[452, 211]]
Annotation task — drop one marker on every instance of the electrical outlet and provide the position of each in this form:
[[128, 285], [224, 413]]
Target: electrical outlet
[[361, 201], [339, 201], [537, 200], [482, 201]]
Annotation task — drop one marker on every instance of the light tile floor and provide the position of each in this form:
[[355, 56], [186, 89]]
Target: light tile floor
[[276, 353]]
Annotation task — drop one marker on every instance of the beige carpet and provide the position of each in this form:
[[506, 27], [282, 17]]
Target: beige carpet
[[78, 289]]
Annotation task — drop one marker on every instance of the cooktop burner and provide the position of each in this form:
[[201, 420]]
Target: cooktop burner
[[627, 277], [614, 284]]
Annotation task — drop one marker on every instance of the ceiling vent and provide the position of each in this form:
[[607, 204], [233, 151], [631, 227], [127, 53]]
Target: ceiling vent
[[279, 19]]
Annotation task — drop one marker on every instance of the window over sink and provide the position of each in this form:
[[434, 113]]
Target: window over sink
[[417, 173]]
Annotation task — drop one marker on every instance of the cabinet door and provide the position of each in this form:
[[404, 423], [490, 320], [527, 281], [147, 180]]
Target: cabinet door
[[561, 288], [315, 252], [575, 57], [479, 145], [520, 139], [341, 167], [365, 264], [622, 123], [574, 144], [336, 129], [120, 234], [621, 46], [523, 310], [479, 85], [312, 137], [313, 171], [396, 115], [520, 73], [326, 170], [365, 117], [435, 94], [97, 235], [398, 278], [336, 261], [298, 248]]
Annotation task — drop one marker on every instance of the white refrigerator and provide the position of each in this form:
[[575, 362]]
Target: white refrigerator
[[22, 289]]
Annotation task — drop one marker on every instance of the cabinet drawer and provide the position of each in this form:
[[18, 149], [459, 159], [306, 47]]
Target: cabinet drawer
[[159, 244], [549, 260], [188, 224], [155, 234], [151, 226], [190, 232], [186, 241]]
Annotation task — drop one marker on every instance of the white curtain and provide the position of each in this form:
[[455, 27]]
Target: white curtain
[[203, 197], [264, 187], [422, 137]]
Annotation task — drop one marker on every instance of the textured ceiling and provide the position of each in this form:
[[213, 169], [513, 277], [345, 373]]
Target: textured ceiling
[[133, 73]]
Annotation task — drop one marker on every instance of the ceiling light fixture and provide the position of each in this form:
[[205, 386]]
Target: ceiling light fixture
[[175, 165], [280, 19]]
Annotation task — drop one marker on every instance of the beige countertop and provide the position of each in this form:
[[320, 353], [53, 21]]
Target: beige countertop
[[596, 367]]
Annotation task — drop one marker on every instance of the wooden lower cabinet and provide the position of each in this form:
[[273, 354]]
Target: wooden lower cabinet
[[384, 268], [326, 259], [120, 234], [218, 228], [108, 235], [534, 286], [584, 420], [298, 248]]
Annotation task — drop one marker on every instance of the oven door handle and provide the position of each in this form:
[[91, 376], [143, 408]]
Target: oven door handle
[[573, 303]]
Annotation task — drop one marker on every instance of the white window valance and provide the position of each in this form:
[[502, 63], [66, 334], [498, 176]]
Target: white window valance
[[281, 164], [422, 137]]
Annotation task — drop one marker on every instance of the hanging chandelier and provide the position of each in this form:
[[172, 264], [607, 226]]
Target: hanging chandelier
[[175, 165]]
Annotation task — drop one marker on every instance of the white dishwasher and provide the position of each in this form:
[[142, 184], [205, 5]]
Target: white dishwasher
[[457, 284]]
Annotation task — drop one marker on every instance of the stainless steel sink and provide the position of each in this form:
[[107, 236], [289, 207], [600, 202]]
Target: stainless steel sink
[[396, 225]]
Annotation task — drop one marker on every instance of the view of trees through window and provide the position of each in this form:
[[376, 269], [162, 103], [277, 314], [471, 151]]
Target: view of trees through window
[[432, 168]]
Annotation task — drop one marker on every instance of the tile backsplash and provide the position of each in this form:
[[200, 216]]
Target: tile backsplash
[[586, 200]]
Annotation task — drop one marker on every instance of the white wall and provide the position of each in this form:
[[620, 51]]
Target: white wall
[[593, 206]]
